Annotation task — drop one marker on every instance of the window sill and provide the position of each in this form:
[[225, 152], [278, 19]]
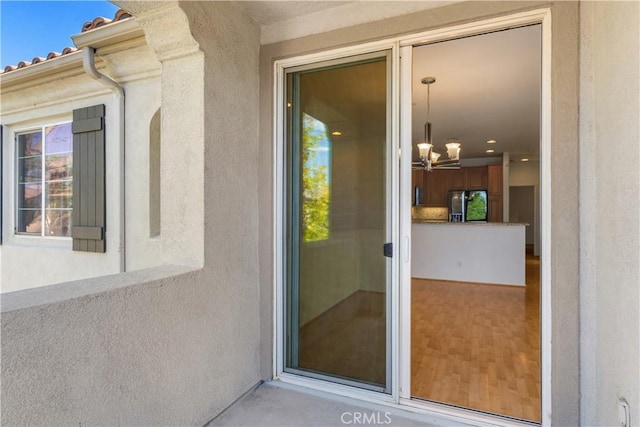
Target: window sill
[[39, 242]]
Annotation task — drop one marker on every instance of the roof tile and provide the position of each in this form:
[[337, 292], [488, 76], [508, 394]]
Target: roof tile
[[97, 22]]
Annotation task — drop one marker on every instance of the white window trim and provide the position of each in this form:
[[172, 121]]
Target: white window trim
[[15, 181], [10, 169]]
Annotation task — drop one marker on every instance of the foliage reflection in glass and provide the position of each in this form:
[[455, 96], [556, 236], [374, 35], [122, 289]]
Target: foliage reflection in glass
[[316, 154]]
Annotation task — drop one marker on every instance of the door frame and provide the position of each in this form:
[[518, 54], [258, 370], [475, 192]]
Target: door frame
[[539, 16], [391, 214], [279, 179], [401, 266]]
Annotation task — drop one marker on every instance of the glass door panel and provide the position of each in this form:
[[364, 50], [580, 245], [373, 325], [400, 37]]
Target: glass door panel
[[338, 150]]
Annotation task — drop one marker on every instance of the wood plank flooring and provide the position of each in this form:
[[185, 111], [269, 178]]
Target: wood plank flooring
[[478, 346], [348, 340], [473, 345]]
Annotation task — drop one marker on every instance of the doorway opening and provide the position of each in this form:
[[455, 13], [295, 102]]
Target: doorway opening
[[398, 388], [475, 291]]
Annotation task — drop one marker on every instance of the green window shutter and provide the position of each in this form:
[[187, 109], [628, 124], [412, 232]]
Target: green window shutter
[[89, 208]]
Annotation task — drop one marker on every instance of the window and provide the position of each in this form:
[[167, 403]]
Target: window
[[45, 181]]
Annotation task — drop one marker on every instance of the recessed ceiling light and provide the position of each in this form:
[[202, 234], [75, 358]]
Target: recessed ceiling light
[[288, 104], [336, 133], [491, 141], [490, 151], [524, 160]]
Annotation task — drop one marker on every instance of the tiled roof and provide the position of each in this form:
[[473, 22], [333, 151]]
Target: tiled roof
[[100, 21], [87, 26]]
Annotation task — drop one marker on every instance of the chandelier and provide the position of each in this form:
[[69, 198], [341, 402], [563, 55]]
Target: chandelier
[[429, 159]]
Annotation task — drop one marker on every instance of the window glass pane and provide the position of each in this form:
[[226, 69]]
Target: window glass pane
[[29, 221], [59, 194], [30, 169], [58, 223], [59, 139], [29, 196], [54, 173], [59, 166], [30, 144]]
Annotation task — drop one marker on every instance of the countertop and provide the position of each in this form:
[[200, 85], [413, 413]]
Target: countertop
[[470, 223]]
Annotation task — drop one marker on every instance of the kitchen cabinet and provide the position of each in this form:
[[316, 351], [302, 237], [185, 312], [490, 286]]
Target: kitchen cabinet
[[495, 209], [436, 186], [458, 179], [494, 182], [476, 178]]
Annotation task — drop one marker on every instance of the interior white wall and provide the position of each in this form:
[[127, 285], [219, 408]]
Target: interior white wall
[[528, 174], [522, 209], [480, 253], [610, 210]]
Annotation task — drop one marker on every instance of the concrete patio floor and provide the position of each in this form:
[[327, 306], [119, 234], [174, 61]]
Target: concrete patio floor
[[277, 404]]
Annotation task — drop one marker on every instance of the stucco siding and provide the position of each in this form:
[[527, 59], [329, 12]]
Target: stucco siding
[[610, 210], [171, 345]]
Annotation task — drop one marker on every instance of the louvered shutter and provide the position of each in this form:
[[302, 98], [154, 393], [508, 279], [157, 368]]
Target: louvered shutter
[[89, 208]]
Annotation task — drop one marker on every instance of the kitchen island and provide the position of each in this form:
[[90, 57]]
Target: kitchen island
[[468, 252]]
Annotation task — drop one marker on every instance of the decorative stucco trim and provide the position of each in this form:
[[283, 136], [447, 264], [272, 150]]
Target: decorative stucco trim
[[173, 44], [115, 32]]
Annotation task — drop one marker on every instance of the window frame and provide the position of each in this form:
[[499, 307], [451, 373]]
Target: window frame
[[36, 127]]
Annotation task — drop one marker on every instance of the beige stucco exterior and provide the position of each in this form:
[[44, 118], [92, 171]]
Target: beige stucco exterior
[[176, 344], [48, 93]]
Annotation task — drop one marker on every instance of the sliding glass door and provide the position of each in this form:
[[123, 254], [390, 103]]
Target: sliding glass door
[[338, 221]]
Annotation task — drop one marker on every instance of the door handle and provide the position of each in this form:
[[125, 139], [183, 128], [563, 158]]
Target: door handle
[[387, 250]]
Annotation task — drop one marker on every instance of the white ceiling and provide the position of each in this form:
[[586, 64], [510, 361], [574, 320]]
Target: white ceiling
[[487, 87]]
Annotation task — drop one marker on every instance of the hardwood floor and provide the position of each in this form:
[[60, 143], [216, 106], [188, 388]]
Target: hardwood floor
[[478, 346], [473, 345], [348, 340]]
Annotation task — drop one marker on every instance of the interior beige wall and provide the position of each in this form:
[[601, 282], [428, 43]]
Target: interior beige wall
[[350, 260], [610, 210], [564, 256]]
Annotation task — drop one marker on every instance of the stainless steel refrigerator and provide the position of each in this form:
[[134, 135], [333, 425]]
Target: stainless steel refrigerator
[[456, 206]]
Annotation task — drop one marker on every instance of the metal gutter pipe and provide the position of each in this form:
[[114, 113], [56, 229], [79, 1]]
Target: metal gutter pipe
[[88, 63]]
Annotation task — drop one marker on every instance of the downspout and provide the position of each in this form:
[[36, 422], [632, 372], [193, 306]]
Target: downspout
[[88, 62]]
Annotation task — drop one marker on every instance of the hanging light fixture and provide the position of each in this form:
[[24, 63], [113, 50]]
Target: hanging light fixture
[[429, 159]]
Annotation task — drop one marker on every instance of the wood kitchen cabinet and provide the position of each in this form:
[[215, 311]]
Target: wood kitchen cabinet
[[494, 187], [458, 179], [495, 209], [476, 178], [494, 180], [437, 184]]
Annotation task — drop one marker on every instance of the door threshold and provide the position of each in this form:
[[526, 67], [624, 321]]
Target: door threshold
[[466, 415], [428, 412]]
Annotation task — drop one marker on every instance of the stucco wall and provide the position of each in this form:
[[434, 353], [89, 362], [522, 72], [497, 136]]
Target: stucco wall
[[29, 261], [564, 167], [172, 345], [610, 210]]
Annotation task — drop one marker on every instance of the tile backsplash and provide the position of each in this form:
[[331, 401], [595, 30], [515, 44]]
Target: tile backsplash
[[428, 213]]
